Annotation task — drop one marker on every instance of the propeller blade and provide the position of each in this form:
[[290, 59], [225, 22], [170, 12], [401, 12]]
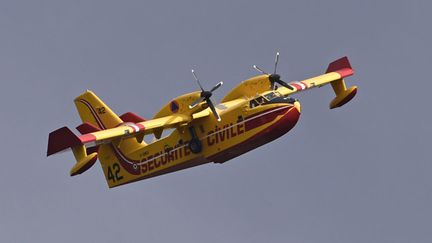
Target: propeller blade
[[285, 84], [276, 61], [216, 86], [196, 78], [196, 102], [258, 69], [213, 109]]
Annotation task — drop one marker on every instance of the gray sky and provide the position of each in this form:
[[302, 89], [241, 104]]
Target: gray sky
[[360, 173]]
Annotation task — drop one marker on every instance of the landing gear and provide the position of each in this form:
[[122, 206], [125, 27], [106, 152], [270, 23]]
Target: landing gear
[[195, 144]]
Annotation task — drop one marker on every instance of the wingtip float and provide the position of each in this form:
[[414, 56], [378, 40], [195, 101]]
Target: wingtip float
[[343, 67], [254, 113]]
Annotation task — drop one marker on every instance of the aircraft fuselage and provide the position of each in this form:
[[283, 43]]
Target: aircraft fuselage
[[243, 128]]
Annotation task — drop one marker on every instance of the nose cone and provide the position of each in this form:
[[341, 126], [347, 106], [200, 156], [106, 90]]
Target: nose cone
[[283, 125], [297, 106]]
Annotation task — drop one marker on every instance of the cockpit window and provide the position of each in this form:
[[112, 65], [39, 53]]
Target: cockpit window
[[257, 101], [271, 95], [266, 99], [260, 99], [253, 103]]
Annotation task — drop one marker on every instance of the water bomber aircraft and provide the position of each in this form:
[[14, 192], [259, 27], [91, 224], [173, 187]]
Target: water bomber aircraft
[[257, 111]]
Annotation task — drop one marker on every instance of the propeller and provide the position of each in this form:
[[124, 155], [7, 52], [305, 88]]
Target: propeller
[[205, 96], [274, 78]]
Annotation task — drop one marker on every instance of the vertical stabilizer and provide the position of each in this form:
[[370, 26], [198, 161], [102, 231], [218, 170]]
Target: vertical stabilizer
[[94, 111]]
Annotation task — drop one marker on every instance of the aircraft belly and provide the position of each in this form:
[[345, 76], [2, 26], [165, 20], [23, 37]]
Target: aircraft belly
[[172, 168]]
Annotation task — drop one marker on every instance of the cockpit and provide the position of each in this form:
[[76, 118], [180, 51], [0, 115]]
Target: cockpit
[[270, 98]]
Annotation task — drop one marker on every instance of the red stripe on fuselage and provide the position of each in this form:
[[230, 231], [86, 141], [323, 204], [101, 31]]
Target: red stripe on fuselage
[[274, 131], [261, 118], [128, 164]]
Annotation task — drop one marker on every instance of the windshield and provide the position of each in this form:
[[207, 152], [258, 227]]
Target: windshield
[[270, 98], [271, 95], [260, 99]]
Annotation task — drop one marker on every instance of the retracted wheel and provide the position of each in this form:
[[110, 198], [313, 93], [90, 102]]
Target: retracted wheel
[[195, 146]]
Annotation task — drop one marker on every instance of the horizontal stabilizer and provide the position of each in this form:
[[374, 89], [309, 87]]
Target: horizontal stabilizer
[[64, 138], [87, 127], [131, 117], [61, 139]]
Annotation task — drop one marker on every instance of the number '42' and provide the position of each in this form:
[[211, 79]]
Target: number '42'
[[113, 173]]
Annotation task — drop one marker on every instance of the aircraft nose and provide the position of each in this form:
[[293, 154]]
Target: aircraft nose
[[297, 106]]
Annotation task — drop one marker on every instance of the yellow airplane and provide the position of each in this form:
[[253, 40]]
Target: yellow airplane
[[254, 113]]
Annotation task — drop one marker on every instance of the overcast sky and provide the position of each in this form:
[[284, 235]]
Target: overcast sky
[[360, 173]]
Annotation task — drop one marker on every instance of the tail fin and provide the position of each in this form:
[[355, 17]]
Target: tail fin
[[94, 111], [96, 116], [343, 95]]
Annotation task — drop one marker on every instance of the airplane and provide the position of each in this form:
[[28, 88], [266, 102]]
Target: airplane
[[257, 111]]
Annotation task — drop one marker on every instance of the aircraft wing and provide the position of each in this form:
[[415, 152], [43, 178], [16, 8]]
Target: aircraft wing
[[64, 138], [335, 74]]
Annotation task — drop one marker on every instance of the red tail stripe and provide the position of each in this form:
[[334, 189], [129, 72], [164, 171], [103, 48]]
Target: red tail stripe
[[97, 118]]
